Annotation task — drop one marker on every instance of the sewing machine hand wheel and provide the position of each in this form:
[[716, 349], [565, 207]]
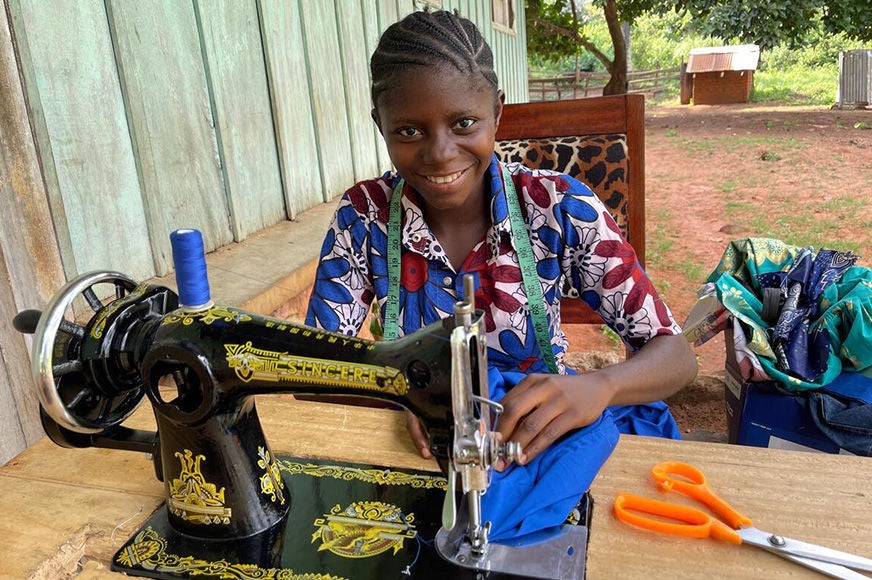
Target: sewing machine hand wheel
[[68, 360]]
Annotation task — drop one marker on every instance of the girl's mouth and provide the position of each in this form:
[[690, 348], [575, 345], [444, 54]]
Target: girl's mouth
[[442, 179]]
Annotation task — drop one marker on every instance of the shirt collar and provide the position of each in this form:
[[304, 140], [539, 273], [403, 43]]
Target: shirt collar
[[417, 236]]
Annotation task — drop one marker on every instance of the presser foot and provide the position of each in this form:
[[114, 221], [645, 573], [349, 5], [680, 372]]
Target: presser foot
[[556, 556]]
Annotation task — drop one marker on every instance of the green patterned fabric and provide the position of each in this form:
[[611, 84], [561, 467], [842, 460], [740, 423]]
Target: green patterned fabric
[[845, 307]]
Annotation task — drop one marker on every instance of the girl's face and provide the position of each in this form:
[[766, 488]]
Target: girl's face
[[439, 126]]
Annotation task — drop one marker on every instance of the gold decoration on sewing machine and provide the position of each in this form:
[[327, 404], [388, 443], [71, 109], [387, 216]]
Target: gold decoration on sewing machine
[[206, 316], [364, 529], [104, 314], [252, 363], [271, 482], [377, 476], [192, 498], [148, 551]]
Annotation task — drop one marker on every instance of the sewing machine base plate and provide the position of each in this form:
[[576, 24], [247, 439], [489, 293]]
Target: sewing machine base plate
[[345, 521]]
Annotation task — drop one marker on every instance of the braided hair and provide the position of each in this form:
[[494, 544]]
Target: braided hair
[[438, 39]]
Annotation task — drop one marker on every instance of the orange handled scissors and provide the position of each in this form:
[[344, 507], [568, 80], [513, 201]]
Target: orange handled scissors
[[735, 527]]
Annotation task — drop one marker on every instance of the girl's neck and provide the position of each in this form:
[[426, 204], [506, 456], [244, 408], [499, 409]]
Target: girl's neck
[[459, 230]]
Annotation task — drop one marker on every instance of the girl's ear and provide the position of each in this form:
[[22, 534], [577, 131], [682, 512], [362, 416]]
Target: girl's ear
[[498, 107], [374, 114]]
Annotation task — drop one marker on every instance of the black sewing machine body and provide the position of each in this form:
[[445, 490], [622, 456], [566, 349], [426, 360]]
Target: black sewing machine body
[[201, 370]]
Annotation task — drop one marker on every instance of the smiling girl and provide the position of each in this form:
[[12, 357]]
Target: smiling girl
[[437, 104]]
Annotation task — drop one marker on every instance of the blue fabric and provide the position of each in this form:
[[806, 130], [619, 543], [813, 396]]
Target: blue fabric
[[798, 350], [851, 386], [650, 420], [526, 503], [837, 301]]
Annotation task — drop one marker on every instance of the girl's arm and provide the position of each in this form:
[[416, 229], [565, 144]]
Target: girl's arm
[[541, 408]]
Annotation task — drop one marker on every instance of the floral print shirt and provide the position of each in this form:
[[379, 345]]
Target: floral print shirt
[[578, 249]]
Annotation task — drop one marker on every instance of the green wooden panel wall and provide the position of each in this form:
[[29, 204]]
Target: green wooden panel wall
[[355, 67], [237, 76], [372, 30], [30, 264], [225, 116], [287, 70], [320, 33], [92, 159], [170, 115]]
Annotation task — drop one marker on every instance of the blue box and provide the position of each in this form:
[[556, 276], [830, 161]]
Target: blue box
[[761, 416]]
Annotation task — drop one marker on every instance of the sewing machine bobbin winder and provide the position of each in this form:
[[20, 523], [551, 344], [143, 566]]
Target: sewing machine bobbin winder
[[231, 508]]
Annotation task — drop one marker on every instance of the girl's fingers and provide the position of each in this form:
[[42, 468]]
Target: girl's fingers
[[545, 437], [538, 425], [517, 404], [416, 432]]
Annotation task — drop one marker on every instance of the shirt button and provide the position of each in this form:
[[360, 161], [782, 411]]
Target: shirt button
[[447, 280]]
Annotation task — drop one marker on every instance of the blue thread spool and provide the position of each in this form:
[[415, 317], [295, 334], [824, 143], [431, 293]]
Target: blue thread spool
[[189, 259]]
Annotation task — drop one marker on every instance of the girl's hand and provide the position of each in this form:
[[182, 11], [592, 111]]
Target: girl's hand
[[416, 432], [541, 408]]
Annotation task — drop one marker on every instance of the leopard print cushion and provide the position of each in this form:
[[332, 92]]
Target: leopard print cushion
[[600, 161]]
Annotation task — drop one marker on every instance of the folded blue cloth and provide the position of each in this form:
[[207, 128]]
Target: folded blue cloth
[[851, 386], [530, 501]]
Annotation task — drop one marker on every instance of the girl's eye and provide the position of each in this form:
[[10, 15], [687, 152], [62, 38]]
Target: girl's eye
[[407, 132], [465, 123]]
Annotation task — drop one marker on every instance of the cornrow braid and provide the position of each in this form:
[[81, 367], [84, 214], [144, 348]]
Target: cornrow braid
[[430, 39]]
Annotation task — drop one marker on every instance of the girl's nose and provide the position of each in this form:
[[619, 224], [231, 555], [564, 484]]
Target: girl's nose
[[441, 148]]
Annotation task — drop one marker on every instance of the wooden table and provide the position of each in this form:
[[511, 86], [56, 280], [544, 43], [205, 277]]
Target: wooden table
[[66, 511]]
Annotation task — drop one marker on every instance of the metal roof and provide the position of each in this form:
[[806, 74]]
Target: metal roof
[[723, 58]]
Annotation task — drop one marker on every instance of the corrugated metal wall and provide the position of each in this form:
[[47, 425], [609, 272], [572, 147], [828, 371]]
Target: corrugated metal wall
[[226, 116], [855, 78]]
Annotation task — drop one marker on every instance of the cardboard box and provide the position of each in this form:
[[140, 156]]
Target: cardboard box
[[761, 414]]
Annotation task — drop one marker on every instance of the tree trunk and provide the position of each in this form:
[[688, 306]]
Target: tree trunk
[[617, 84]]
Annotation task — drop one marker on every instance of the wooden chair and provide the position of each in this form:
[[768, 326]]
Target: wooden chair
[[598, 140]]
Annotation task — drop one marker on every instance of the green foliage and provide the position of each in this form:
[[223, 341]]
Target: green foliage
[[818, 48], [769, 23], [797, 84], [664, 40], [546, 45], [551, 52]]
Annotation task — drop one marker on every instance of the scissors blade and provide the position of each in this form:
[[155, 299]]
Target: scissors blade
[[789, 547], [826, 568]]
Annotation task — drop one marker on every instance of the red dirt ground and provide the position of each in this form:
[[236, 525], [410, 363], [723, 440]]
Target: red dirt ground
[[718, 173]]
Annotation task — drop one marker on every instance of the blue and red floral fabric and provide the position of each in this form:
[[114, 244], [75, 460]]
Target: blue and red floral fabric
[[578, 248]]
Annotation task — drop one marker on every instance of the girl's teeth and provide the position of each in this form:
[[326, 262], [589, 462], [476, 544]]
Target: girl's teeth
[[445, 179]]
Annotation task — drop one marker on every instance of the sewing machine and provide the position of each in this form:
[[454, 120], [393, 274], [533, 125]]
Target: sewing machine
[[226, 497]]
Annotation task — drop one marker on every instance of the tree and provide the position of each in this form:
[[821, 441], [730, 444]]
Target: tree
[[555, 28], [767, 23]]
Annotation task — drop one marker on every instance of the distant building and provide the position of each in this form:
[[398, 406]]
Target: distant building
[[720, 74]]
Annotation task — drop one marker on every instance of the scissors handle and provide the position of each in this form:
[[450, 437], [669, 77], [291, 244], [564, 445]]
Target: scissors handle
[[693, 523], [687, 479]]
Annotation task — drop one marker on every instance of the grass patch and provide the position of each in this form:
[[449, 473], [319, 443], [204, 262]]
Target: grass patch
[[692, 271], [611, 335], [818, 224], [727, 187], [731, 144], [797, 86]]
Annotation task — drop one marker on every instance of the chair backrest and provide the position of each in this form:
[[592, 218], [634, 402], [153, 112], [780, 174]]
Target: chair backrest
[[598, 140]]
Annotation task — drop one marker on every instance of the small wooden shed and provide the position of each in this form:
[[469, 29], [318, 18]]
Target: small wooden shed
[[721, 74]]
